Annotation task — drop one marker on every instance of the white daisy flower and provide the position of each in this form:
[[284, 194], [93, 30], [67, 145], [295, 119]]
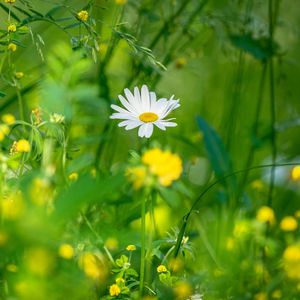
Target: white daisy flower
[[143, 110]]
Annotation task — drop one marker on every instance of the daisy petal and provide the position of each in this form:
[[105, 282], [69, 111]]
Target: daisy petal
[[145, 97], [124, 123], [131, 99], [159, 125], [141, 132], [133, 124], [119, 109], [148, 130], [168, 124], [125, 116], [127, 105]]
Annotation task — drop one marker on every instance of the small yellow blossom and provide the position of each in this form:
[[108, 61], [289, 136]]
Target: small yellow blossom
[[11, 28], [164, 164], [241, 228], [277, 294], [73, 176], [12, 47], [266, 215], [137, 175], [3, 238], [66, 251], [295, 173], [21, 146], [261, 296], [291, 261], [19, 75], [257, 185], [4, 130], [161, 269], [10, 1], [92, 266], [114, 290], [8, 119], [12, 207], [180, 62], [183, 290], [121, 2], [57, 118], [37, 115], [120, 280], [288, 224], [131, 248], [83, 15], [12, 268], [39, 261], [230, 244], [176, 264], [112, 243]]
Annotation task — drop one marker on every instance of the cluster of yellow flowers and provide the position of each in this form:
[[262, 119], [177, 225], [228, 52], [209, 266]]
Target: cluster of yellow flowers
[[20, 146], [165, 166]]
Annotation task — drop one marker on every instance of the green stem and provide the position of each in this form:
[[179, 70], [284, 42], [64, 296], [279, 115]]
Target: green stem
[[143, 239], [21, 106]]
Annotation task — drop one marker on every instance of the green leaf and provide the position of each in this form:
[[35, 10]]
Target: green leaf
[[215, 148], [258, 48], [2, 94]]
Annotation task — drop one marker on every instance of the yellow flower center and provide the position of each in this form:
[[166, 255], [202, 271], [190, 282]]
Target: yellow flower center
[[148, 117]]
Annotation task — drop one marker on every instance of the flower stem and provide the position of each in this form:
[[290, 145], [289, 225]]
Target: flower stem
[[143, 239]]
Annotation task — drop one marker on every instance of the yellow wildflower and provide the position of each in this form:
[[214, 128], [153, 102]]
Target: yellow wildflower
[[183, 290], [241, 228], [165, 165], [137, 175], [19, 75], [114, 290], [39, 261], [4, 130], [73, 176], [161, 269], [266, 215], [66, 251], [295, 173], [120, 280], [92, 266], [180, 62], [12, 268], [288, 224], [3, 238], [12, 207], [257, 185], [112, 243], [261, 296], [8, 119], [11, 28], [10, 1], [121, 2], [83, 15], [277, 294], [22, 146], [131, 248], [12, 47], [291, 261]]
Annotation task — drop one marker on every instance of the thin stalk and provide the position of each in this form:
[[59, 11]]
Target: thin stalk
[[21, 105], [272, 103], [143, 246], [208, 188], [255, 127]]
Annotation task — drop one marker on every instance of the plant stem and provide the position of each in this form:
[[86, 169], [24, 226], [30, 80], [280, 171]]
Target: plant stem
[[143, 238]]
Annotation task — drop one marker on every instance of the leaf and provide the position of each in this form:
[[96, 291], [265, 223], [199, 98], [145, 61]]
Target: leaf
[[2, 94], [85, 190], [215, 148], [258, 48]]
